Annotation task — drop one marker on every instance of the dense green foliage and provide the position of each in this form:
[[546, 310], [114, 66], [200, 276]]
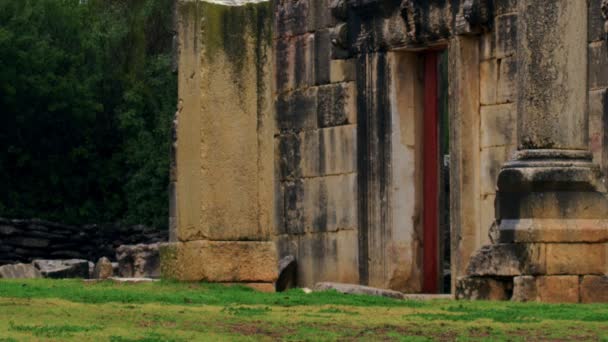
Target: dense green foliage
[[87, 96]]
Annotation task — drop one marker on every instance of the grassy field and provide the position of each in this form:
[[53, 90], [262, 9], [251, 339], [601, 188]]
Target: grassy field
[[38, 310]]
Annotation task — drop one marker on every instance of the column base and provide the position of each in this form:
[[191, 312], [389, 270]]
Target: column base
[[551, 236]]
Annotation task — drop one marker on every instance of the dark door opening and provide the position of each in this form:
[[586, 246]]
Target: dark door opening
[[436, 204]]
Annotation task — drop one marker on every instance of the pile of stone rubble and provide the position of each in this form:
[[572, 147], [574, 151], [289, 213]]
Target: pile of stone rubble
[[132, 261]]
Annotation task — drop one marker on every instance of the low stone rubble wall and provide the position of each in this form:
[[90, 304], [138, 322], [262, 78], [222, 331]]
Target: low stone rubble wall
[[26, 240]]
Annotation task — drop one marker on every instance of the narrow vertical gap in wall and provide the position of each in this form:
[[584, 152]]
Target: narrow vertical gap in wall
[[435, 161]]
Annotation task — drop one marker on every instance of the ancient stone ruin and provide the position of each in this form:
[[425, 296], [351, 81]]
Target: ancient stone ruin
[[419, 146]]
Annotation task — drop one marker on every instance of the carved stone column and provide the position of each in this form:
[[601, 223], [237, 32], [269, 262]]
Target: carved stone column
[[550, 190], [551, 207]]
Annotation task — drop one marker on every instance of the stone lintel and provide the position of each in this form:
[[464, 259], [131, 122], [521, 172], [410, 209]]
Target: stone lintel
[[220, 261]]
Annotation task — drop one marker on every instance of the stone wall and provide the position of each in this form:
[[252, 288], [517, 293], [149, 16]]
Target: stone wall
[[316, 144], [26, 240]]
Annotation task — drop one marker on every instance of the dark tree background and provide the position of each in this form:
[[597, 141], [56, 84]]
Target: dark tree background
[[87, 96]]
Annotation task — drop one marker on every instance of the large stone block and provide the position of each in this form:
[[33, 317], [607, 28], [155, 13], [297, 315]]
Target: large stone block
[[488, 46], [598, 65], [319, 15], [329, 151], [558, 289], [322, 56], [594, 289], [220, 261], [498, 125], [297, 111], [19, 271], [488, 80], [595, 21], [474, 288], [524, 289], [138, 261], [491, 160], [57, 269], [342, 70], [291, 17], [506, 260], [506, 35], [289, 156], [330, 203], [337, 104], [506, 86], [328, 257], [576, 258], [294, 207], [226, 123], [295, 62]]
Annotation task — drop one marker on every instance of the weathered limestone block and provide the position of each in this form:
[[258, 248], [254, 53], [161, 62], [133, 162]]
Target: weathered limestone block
[[329, 151], [138, 261], [297, 111], [225, 145], [289, 156], [220, 261], [322, 56], [490, 162], [57, 269], [19, 271], [319, 15], [577, 258], [475, 288], [357, 290], [488, 79], [103, 269], [506, 35], [596, 21], [498, 125], [291, 17], [330, 203], [294, 208], [506, 88], [331, 256], [598, 65], [337, 104], [504, 260], [342, 70], [594, 289], [488, 46], [558, 289], [524, 289]]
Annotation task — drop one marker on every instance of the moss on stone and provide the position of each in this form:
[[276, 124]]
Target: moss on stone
[[228, 29]]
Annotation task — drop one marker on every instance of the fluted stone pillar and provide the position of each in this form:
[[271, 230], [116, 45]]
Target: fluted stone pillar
[[550, 190]]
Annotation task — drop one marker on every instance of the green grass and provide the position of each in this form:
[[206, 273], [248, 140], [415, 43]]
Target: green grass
[[59, 310]]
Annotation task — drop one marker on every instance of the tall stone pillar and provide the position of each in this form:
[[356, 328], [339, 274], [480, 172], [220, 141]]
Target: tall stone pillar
[[224, 166], [550, 191], [551, 209]]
